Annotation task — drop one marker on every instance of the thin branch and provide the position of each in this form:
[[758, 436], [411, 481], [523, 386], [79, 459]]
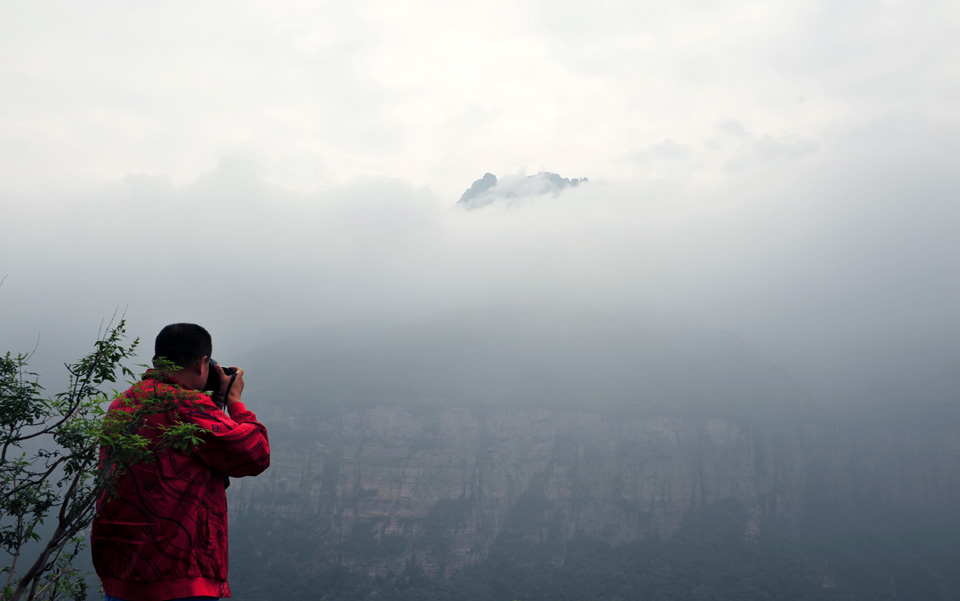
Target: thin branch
[[49, 566], [78, 478], [16, 556], [35, 347], [73, 405], [34, 479], [45, 430]]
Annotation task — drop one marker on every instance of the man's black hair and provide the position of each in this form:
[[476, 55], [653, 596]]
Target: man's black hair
[[182, 344]]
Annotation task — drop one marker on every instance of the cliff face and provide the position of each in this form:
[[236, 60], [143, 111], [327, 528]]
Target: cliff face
[[381, 488]]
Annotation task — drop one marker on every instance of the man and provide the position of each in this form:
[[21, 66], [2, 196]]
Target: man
[[160, 533]]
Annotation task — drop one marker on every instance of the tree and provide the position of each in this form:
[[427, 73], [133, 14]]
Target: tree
[[78, 453]]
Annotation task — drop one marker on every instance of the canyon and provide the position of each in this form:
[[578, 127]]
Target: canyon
[[381, 488]]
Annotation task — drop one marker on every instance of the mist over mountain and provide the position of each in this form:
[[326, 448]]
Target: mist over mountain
[[447, 447], [489, 189], [725, 367], [497, 358], [617, 365]]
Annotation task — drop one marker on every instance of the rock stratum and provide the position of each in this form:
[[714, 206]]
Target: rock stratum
[[382, 488], [433, 445]]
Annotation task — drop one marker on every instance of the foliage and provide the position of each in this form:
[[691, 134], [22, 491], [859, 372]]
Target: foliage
[[52, 467]]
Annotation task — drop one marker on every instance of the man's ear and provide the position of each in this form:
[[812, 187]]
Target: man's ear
[[197, 366]]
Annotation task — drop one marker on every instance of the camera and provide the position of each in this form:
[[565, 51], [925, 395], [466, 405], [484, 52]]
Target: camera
[[213, 378]]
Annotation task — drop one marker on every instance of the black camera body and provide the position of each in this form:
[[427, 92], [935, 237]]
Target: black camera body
[[213, 378]]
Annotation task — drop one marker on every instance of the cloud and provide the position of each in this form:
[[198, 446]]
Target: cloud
[[664, 150], [739, 148], [788, 146], [299, 164], [856, 257]]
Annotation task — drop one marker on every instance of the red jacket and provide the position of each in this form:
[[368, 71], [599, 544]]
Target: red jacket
[[163, 534]]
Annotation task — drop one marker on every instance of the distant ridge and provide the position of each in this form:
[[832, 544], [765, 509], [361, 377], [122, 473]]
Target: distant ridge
[[488, 189]]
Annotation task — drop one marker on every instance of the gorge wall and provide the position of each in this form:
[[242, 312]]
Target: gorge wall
[[384, 487]]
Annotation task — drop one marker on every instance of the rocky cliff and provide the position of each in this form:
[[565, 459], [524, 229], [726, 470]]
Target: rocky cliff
[[382, 487]]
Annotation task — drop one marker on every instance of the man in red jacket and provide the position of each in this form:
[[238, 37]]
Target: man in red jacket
[[161, 532]]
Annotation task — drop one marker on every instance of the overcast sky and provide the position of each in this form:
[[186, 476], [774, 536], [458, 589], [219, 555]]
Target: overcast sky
[[786, 170]]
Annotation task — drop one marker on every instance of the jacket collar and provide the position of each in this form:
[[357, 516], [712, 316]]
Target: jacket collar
[[163, 377]]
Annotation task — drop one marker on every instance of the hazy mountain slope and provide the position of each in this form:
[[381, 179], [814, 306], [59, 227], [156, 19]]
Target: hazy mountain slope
[[577, 361], [380, 488], [424, 445]]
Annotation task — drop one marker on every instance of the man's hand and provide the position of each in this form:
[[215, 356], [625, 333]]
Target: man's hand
[[235, 389]]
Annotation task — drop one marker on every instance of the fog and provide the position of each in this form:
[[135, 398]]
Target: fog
[[845, 275], [765, 173]]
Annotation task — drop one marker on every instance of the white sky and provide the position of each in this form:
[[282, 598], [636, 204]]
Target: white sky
[[784, 169], [316, 93]]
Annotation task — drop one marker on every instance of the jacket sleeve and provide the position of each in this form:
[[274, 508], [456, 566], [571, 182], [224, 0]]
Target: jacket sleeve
[[235, 445]]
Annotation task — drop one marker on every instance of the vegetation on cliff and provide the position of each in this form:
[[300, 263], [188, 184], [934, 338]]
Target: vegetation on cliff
[[706, 561]]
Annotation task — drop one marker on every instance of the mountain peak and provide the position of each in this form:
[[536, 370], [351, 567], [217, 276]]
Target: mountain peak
[[489, 189]]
